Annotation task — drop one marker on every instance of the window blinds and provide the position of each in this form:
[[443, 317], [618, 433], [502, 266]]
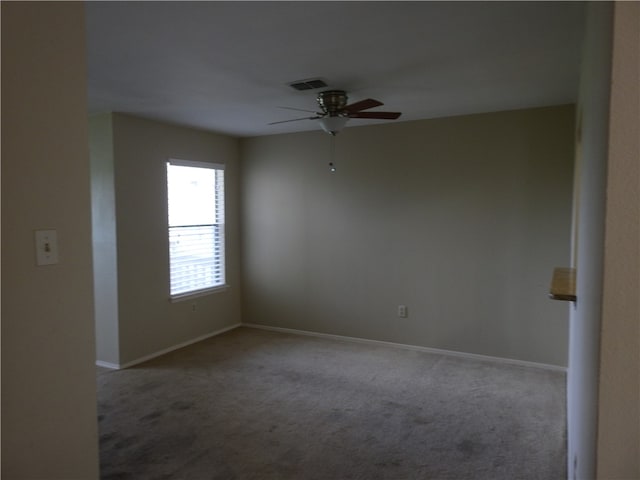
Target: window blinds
[[196, 226]]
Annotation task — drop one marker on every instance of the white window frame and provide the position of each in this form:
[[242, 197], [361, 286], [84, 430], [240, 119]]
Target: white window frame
[[218, 239]]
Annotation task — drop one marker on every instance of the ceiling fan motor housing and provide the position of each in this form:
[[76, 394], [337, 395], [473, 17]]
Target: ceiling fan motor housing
[[332, 101]]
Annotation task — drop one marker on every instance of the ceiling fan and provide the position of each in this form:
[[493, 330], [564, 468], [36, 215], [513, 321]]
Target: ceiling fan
[[336, 112]]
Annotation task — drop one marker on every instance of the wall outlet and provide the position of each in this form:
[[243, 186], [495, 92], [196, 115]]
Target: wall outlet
[[194, 307], [402, 311]]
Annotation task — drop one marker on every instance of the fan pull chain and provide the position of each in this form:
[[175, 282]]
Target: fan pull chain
[[332, 165]]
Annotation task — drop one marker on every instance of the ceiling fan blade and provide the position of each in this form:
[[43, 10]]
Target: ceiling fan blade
[[300, 110], [294, 120], [381, 115], [362, 105]]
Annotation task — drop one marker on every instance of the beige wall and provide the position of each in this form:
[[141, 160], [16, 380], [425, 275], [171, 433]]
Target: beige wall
[[147, 321], [619, 389], [105, 254], [49, 427], [461, 219]]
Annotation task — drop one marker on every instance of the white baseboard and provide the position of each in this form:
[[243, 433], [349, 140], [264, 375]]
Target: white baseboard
[[117, 366], [451, 353], [112, 366]]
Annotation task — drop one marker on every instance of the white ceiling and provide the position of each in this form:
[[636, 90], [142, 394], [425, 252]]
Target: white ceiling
[[225, 66]]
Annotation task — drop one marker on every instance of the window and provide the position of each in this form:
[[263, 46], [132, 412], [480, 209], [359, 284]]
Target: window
[[196, 227]]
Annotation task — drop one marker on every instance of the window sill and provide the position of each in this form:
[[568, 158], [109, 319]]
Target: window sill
[[198, 293]]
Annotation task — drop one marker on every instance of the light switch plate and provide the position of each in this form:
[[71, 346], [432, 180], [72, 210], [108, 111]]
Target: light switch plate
[[46, 247]]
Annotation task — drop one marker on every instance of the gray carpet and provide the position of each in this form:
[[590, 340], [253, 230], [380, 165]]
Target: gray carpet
[[252, 404]]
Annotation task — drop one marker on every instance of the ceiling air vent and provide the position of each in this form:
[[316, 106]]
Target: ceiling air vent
[[310, 84]]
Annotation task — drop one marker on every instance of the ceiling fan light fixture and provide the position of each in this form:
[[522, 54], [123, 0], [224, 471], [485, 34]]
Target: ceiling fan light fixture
[[333, 125], [336, 111]]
